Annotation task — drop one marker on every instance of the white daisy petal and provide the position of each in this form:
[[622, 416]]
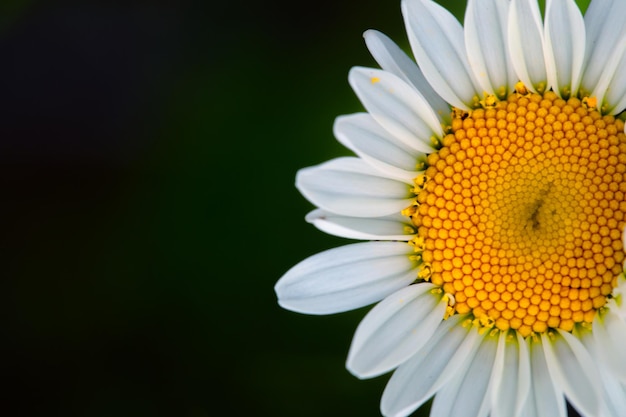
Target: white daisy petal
[[544, 399], [529, 408], [611, 81], [615, 98], [397, 107], [436, 38], [468, 393], [395, 329], [525, 35], [609, 331], [487, 49], [564, 46], [572, 368], [395, 227], [350, 187], [614, 400], [511, 393], [346, 277], [363, 135], [393, 59], [416, 380], [604, 26]]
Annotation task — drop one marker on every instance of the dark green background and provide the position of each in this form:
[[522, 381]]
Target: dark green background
[[148, 151]]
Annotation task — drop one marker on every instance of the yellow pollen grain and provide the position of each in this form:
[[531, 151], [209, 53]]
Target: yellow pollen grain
[[519, 215]]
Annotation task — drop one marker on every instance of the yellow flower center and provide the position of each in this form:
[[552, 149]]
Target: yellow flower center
[[520, 213]]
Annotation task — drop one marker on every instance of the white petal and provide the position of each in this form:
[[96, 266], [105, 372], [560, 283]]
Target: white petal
[[511, 392], [416, 380], [614, 395], [615, 98], [544, 398], [396, 227], [564, 46], [436, 38], [392, 59], [346, 277], [573, 370], [614, 399], [611, 80], [486, 43], [363, 135], [525, 34], [397, 107], [395, 329], [529, 409], [609, 331], [350, 187], [468, 393], [605, 25]]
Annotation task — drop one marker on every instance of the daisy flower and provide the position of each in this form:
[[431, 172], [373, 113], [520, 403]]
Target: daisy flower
[[489, 184]]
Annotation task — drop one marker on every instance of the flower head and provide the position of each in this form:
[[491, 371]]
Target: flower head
[[490, 184]]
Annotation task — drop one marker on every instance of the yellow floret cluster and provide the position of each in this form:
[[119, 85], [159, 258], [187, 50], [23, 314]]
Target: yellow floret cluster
[[520, 213]]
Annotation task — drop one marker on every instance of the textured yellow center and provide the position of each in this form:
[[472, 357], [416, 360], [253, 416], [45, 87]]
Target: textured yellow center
[[520, 213]]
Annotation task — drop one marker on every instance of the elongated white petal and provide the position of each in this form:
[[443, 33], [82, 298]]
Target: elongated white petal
[[604, 26], [436, 38], [614, 392], [525, 34], [615, 98], [486, 24], [351, 187], [397, 107], [468, 393], [395, 329], [529, 408], [573, 370], [614, 402], [395, 227], [363, 135], [511, 392], [416, 380], [609, 331], [393, 59], [564, 46], [544, 398], [346, 277], [609, 81]]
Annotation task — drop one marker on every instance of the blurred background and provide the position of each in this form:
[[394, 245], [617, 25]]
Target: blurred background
[[147, 154]]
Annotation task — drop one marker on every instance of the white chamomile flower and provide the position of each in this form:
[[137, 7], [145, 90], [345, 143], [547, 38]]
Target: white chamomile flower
[[490, 185]]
